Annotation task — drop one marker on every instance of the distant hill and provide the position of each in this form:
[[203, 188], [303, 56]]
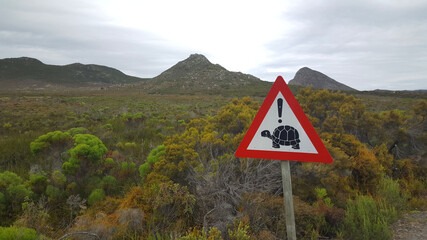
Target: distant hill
[[308, 77], [19, 72], [197, 74]]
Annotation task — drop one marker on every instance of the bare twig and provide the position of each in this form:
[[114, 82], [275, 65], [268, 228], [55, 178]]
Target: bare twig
[[80, 233]]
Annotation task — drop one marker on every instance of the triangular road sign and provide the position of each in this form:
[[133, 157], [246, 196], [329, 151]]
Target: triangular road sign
[[282, 131]]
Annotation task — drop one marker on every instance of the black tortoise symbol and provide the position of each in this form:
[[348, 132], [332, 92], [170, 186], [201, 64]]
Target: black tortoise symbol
[[283, 135]]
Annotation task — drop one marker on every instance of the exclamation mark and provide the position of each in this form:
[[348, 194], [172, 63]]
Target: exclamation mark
[[279, 108]]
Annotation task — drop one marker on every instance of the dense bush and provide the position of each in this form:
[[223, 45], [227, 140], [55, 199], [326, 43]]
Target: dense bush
[[96, 196], [88, 150], [152, 158], [389, 191], [20, 233], [13, 192], [367, 219], [46, 140]]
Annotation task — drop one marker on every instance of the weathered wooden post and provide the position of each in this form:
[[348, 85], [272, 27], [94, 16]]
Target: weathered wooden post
[[289, 203]]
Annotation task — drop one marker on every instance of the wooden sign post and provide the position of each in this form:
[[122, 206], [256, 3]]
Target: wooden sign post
[[282, 131], [289, 203]]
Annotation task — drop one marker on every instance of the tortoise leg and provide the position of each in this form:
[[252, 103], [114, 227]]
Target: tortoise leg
[[296, 146], [275, 145]]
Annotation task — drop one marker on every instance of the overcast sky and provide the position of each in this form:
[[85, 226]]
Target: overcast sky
[[365, 44]]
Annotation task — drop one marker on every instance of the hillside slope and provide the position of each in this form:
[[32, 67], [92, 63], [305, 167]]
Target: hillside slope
[[23, 71]]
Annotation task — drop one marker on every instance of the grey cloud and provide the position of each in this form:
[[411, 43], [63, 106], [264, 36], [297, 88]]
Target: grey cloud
[[365, 45], [56, 33]]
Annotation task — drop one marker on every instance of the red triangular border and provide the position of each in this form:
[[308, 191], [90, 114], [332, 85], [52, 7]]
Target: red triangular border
[[322, 154]]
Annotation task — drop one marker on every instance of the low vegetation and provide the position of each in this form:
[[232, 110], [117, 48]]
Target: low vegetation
[[121, 165]]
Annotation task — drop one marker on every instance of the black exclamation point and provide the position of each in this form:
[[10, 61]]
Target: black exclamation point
[[279, 108]]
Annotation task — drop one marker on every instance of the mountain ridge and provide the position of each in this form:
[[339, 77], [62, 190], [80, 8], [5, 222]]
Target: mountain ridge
[[193, 75], [30, 70]]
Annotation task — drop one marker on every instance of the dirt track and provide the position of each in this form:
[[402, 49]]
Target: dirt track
[[413, 226]]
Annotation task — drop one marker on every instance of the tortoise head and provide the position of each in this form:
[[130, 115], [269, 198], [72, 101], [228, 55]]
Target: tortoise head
[[266, 133]]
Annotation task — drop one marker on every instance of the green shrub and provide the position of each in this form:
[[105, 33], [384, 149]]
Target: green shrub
[[58, 178], [17, 193], [38, 182], [155, 154], [71, 167], [72, 186], [2, 203], [107, 127], [13, 192], [388, 190], [327, 220], [37, 178], [53, 192], [37, 146], [132, 166], [109, 179], [124, 166], [87, 147], [95, 196], [20, 233], [240, 231], [110, 184], [152, 158], [109, 162], [75, 131], [366, 219], [46, 140], [321, 195], [9, 178], [130, 145], [120, 145], [144, 169], [196, 234]]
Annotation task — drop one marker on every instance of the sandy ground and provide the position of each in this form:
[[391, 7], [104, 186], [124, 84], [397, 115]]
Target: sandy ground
[[413, 226]]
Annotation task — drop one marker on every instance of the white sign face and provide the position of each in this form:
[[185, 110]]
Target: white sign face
[[280, 131]]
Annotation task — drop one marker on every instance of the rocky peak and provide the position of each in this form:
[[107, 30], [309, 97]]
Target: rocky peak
[[194, 62], [193, 65], [308, 77], [305, 70], [197, 73], [197, 59]]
